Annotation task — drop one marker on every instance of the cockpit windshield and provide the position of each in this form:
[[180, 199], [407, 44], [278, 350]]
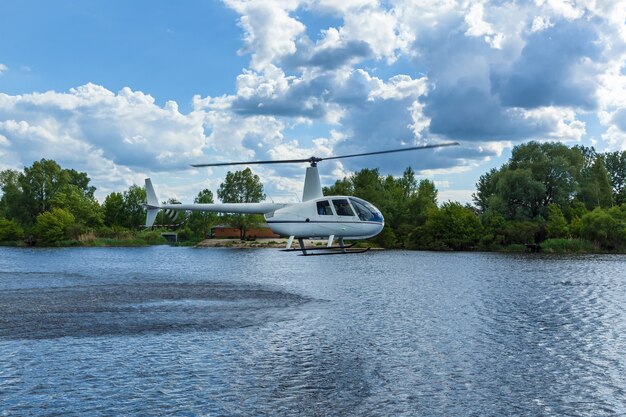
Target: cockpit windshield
[[366, 211]]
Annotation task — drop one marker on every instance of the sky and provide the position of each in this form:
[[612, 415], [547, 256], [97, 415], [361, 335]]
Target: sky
[[128, 90]]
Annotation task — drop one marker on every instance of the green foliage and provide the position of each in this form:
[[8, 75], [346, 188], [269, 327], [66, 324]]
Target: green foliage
[[83, 207], [421, 202], [242, 187], [615, 163], [200, 222], [453, 225], [536, 176], [53, 227], [340, 187], [152, 237], [11, 203], [556, 226], [113, 210], [10, 231], [521, 232], [605, 228], [134, 214], [595, 187], [545, 191], [567, 246]]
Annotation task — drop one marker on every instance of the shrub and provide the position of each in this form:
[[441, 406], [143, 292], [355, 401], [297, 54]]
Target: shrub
[[52, 227], [10, 231]]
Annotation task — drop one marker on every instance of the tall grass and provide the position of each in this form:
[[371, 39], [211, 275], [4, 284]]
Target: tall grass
[[568, 246]]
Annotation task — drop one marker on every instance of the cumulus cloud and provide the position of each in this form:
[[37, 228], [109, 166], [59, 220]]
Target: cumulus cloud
[[104, 133], [381, 75], [270, 31], [3, 69]]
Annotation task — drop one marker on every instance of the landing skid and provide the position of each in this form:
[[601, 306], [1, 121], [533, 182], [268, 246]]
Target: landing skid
[[325, 250], [334, 252]]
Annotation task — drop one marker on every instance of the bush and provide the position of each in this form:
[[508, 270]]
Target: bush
[[53, 227], [605, 230], [152, 237], [10, 231]]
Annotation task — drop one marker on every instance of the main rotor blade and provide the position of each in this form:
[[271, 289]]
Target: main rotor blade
[[315, 160], [413, 148], [274, 161]]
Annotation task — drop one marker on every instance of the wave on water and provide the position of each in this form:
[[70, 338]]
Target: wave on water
[[138, 308]]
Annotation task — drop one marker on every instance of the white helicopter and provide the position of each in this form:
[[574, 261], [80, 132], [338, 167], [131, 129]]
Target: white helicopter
[[316, 217]]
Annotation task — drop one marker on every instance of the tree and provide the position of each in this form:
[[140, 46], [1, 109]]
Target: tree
[[421, 202], [605, 230], [340, 187], [134, 213], [595, 186], [83, 207], [10, 230], [518, 195], [113, 209], [536, 175], [556, 226], [486, 188], [54, 226], [408, 183], [11, 206], [552, 164], [44, 186], [615, 163], [452, 226], [201, 221], [39, 184], [242, 187]]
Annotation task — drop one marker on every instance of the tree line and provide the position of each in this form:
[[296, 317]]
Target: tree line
[[49, 205], [546, 195]]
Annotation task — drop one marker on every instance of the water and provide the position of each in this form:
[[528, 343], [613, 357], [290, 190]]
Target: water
[[226, 332]]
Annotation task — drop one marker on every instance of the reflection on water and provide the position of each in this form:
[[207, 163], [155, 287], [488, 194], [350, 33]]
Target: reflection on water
[[161, 331]]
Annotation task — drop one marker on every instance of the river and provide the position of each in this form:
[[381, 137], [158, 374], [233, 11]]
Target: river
[[254, 332]]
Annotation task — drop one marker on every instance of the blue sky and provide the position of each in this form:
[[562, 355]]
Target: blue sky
[[126, 90]]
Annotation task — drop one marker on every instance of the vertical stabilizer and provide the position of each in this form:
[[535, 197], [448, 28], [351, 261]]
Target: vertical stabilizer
[[151, 197], [152, 204], [312, 185]]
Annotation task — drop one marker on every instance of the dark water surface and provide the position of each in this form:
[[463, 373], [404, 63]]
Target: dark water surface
[[184, 331]]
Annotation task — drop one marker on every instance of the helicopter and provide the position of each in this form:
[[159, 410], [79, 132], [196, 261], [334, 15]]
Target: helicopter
[[315, 217]]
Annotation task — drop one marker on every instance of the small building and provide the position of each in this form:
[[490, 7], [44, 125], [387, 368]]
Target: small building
[[228, 232]]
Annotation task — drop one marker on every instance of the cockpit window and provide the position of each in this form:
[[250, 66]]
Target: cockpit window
[[342, 207], [323, 208], [366, 211]]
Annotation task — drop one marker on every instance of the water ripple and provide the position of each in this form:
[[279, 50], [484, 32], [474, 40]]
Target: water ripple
[[241, 333]]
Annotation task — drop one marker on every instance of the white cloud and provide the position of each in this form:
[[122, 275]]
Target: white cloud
[[541, 23], [98, 131], [385, 74], [270, 32], [379, 28], [3, 69], [461, 196]]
